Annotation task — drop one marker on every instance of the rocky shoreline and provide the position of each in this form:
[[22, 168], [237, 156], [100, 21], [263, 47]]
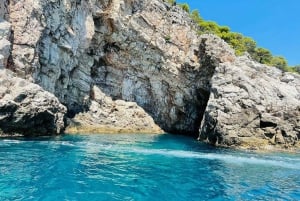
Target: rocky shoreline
[[136, 66]]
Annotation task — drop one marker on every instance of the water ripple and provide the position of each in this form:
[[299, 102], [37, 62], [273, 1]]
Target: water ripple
[[141, 167], [223, 157]]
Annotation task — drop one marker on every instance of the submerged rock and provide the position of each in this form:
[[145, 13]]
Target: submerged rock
[[26, 109]]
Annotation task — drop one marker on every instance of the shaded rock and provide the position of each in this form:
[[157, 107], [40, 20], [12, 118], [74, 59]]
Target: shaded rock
[[279, 139], [27, 109], [4, 9], [5, 45]]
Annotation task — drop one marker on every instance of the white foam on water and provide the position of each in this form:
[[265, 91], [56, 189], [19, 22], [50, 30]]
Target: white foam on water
[[277, 162], [66, 143], [12, 141]]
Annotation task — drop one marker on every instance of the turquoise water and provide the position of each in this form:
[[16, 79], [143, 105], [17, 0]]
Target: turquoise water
[[141, 167]]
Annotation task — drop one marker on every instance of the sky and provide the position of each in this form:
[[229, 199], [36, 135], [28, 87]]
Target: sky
[[273, 24]]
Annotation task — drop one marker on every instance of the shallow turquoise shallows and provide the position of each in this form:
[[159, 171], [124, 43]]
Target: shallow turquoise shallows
[[141, 167]]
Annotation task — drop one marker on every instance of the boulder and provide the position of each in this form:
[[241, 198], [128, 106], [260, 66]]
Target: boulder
[[26, 109], [105, 115]]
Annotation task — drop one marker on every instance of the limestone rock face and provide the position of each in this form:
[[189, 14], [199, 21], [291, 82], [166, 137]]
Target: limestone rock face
[[251, 102], [139, 65], [5, 45], [146, 52], [4, 9], [132, 50], [26, 109]]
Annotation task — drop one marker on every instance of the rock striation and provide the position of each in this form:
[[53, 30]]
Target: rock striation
[[251, 105], [140, 66], [5, 44], [137, 51], [27, 109]]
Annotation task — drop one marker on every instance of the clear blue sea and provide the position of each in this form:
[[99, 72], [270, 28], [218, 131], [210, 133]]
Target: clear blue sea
[[141, 167]]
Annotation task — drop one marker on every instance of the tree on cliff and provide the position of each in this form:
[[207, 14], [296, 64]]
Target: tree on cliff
[[195, 15], [262, 55], [297, 68], [239, 42], [279, 62], [185, 7], [172, 2]]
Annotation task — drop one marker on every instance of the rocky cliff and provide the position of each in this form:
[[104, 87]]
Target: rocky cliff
[[251, 105], [138, 65]]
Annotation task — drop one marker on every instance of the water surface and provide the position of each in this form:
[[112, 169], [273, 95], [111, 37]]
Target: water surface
[[141, 167]]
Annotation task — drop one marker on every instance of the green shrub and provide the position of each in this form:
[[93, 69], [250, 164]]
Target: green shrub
[[237, 41], [196, 16], [168, 38], [297, 68], [279, 62], [185, 7], [172, 2]]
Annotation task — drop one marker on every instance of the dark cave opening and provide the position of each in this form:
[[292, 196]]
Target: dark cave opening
[[265, 124]]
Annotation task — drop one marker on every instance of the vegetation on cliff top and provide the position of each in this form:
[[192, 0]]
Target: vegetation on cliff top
[[238, 41]]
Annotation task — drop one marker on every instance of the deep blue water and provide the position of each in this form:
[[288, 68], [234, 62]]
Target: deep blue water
[[141, 167]]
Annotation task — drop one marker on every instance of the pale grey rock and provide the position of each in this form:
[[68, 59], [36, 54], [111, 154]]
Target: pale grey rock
[[3, 9], [108, 116], [5, 28], [251, 100], [26, 109], [137, 51], [5, 45], [148, 53]]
